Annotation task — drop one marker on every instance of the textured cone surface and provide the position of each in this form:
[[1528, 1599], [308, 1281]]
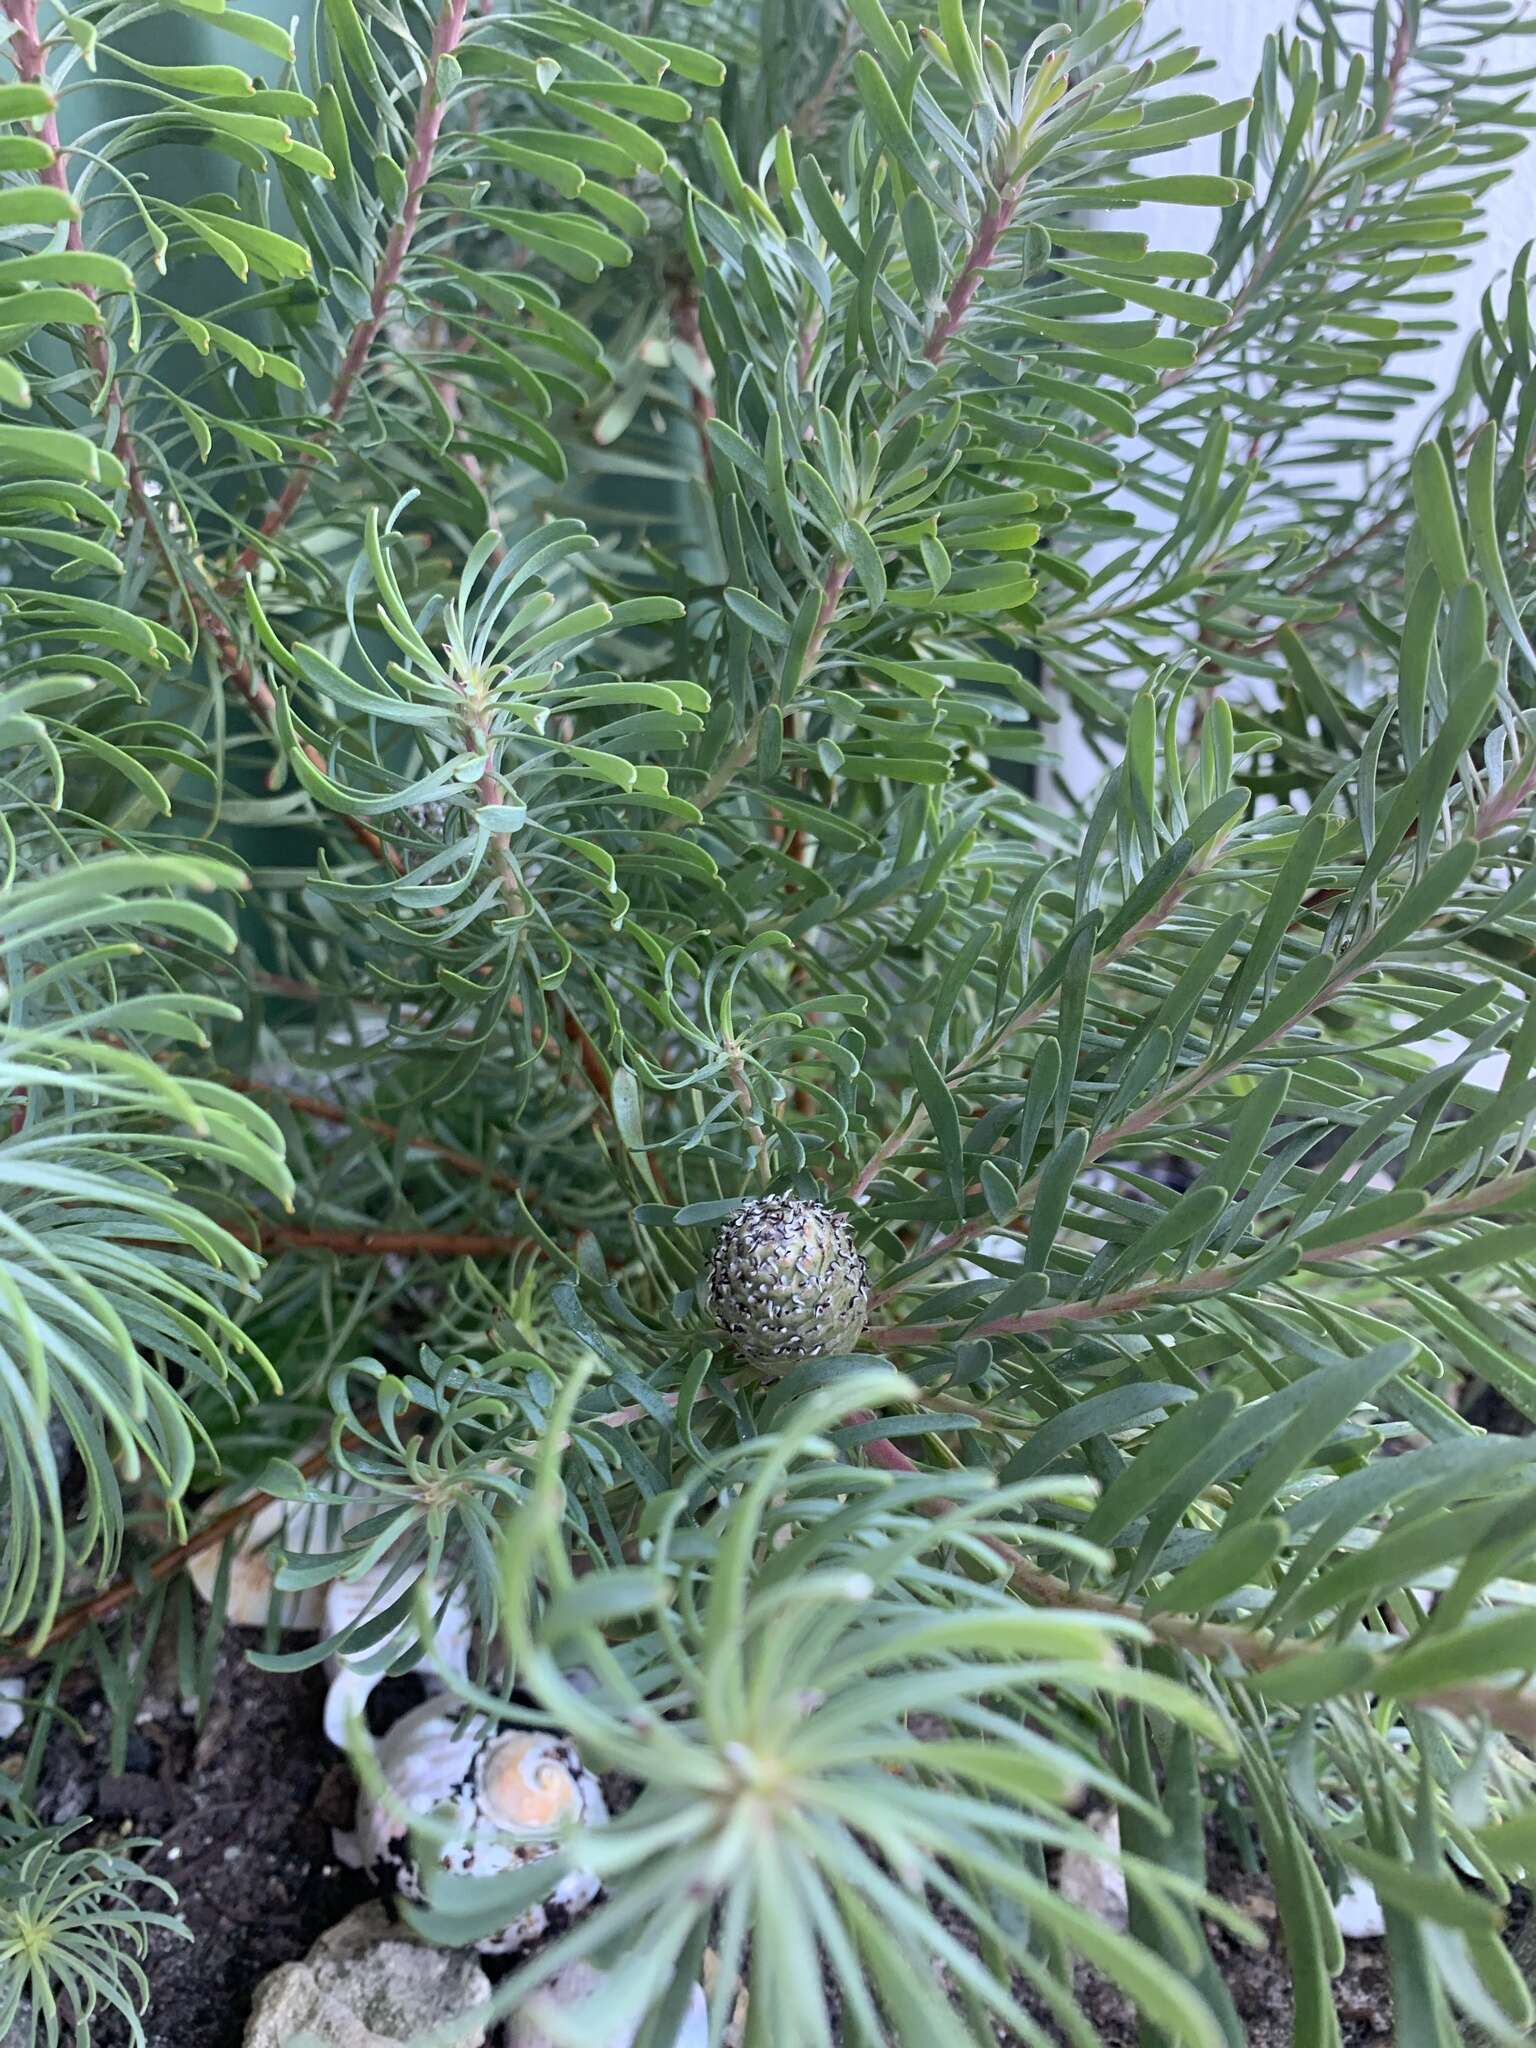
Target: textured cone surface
[[787, 1281]]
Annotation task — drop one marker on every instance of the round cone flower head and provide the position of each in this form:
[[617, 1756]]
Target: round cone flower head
[[786, 1281]]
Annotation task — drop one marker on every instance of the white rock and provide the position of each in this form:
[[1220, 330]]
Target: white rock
[[504, 1795], [570, 1990], [1093, 1883], [290, 1529], [1358, 1912], [290, 2003], [367, 1984]]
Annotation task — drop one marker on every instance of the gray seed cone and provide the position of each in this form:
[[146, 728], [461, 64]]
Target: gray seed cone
[[786, 1281]]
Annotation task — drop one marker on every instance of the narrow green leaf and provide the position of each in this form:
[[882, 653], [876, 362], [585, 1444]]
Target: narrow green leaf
[[944, 1117], [1238, 1557], [1052, 1193], [1482, 524], [1439, 520]]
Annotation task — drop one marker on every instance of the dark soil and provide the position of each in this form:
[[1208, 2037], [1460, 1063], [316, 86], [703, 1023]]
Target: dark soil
[[244, 1809], [1257, 1978]]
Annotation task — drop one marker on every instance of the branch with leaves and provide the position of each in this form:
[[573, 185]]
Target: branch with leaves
[[537, 599]]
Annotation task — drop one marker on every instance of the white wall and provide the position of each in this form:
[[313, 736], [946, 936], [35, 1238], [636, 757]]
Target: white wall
[[1232, 33]]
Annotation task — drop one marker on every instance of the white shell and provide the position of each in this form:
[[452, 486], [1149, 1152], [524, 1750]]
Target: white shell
[[573, 1988], [346, 1601], [504, 1794]]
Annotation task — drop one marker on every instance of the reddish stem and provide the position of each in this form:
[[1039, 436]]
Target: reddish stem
[[1044, 1589], [979, 258], [808, 120], [983, 250], [449, 1244], [103, 1605], [29, 56], [1493, 1195], [805, 355], [446, 37], [741, 754], [112, 1599], [317, 1107], [837, 583], [685, 325], [1508, 1706], [1402, 50]]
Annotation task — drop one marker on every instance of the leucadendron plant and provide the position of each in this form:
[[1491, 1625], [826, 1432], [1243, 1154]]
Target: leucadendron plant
[[545, 579]]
